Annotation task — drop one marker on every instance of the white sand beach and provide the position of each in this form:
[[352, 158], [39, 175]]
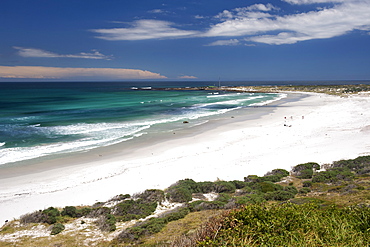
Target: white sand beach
[[318, 128]]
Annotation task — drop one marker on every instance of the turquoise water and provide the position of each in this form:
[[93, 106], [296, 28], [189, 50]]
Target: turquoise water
[[41, 119]]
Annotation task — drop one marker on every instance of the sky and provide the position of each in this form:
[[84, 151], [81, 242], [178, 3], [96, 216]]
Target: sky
[[235, 40]]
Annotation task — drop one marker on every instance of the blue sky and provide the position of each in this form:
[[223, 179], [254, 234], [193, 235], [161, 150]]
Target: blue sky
[[242, 40]]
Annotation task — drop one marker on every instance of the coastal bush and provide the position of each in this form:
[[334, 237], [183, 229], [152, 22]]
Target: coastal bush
[[224, 187], [333, 175], [358, 165], [179, 194], [70, 211], [57, 228], [271, 178], [290, 225], [305, 170], [275, 175], [205, 187], [307, 183], [304, 190], [151, 226], [182, 190], [239, 184], [50, 215], [35, 217], [252, 179], [291, 189], [150, 196], [134, 209], [248, 199], [269, 186], [107, 223], [97, 212]]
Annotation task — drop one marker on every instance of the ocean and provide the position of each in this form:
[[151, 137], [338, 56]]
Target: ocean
[[42, 119]]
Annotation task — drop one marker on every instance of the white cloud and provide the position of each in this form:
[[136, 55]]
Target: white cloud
[[187, 77], [230, 42], [313, 1], [32, 52], [259, 7], [40, 72], [144, 29], [260, 23], [321, 24]]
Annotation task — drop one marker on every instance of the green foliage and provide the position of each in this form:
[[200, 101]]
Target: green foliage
[[151, 226], [275, 175], [269, 186], [333, 175], [57, 228], [70, 211], [304, 190], [360, 165], [149, 196], [252, 179], [134, 209], [305, 170], [305, 174], [50, 216], [107, 223], [280, 195], [307, 183], [238, 184], [251, 198], [182, 190], [292, 225], [224, 187]]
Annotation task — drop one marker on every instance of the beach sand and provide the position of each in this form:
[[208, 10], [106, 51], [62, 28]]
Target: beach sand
[[317, 128]]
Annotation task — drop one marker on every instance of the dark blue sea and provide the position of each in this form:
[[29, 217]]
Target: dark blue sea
[[39, 119]]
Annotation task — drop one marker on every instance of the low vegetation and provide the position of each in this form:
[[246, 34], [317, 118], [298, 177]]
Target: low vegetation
[[308, 206], [339, 90]]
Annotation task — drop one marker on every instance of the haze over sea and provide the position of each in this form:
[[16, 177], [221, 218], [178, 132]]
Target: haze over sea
[[51, 118]]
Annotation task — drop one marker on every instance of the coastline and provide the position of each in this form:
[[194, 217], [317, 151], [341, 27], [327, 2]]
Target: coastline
[[323, 129]]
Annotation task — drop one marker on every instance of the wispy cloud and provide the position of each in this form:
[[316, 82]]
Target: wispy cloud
[[144, 29], [33, 52], [314, 1], [40, 72], [260, 23], [320, 24], [187, 77], [230, 42]]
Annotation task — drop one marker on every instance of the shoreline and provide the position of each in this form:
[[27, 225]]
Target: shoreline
[[323, 129]]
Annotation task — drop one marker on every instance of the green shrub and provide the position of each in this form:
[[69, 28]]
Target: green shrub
[[277, 174], [50, 215], [305, 170], [291, 225], [251, 198], [280, 195], [359, 165], [305, 174], [151, 226], [69, 211], [224, 187], [57, 228], [307, 183], [206, 187], [304, 190], [271, 178], [179, 194], [239, 184], [134, 209], [83, 211], [269, 186], [107, 223], [252, 179], [153, 195], [333, 175]]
